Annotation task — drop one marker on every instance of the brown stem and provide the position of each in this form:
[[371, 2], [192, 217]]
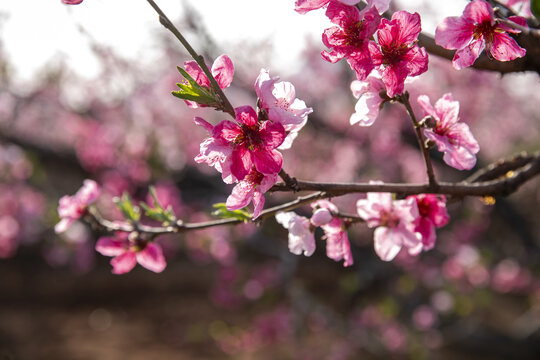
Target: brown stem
[[404, 99]]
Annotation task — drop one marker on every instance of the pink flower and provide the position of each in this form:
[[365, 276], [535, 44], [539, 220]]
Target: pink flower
[[278, 99], [71, 208], [252, 187], [475, 30], [72, 2], [394, 221], [369, 102], [215, 152], [337, 242], [397, 56], [351, 37], [126, 254], [431, 214], [222, 70], [304, 6], [252, 143], [301, 239], [451, 136]]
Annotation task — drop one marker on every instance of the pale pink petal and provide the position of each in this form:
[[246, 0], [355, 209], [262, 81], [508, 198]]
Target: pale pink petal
[[321, 217], [304, 6], [63, 225], [223, 71], [111, 246], [258, 204], [387, 245], [301, 239], [124, 263], [381, 5], [241, 196], [205, 124], [151, 258], [88, 193]]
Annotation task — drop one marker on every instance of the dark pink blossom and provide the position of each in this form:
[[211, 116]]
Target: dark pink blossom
[[301, 239], [251, 188], [72, 2], [278, 99], [126, 254], [252, 143], [476, 30], [222, 70], [397, 56], [452, 137], [351, 37], [394, 220], [431, 214], [71, 208]]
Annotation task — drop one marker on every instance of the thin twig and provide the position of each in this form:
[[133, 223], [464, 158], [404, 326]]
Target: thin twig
[[404, 99], [164, 20]]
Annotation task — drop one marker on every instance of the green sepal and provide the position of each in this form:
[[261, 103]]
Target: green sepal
[[192, 91], [535, 8], [157, 212], [131, 212], [224, 213]]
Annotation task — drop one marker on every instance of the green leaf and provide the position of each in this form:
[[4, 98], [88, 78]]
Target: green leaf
[[192, 91], [224, 213], [157, 212], [535, 8], [130, 211]]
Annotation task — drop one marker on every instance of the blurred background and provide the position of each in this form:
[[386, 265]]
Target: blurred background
[[85, 93]]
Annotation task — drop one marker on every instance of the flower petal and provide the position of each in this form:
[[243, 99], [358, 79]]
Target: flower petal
[[151, 258]]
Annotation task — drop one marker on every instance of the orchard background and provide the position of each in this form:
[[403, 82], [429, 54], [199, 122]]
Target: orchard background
[[99, 106]]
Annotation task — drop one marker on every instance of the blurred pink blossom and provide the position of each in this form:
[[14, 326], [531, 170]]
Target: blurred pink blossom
[[126, 254], [71, 208], [301, 239]]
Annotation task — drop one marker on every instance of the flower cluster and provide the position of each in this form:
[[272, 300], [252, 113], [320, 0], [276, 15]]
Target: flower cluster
[[370, 42], [245, 151], [408, 223], [478, 29], [302, 240]]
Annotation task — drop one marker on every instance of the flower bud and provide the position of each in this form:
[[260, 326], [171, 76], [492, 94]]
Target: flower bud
[[321, 217]]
